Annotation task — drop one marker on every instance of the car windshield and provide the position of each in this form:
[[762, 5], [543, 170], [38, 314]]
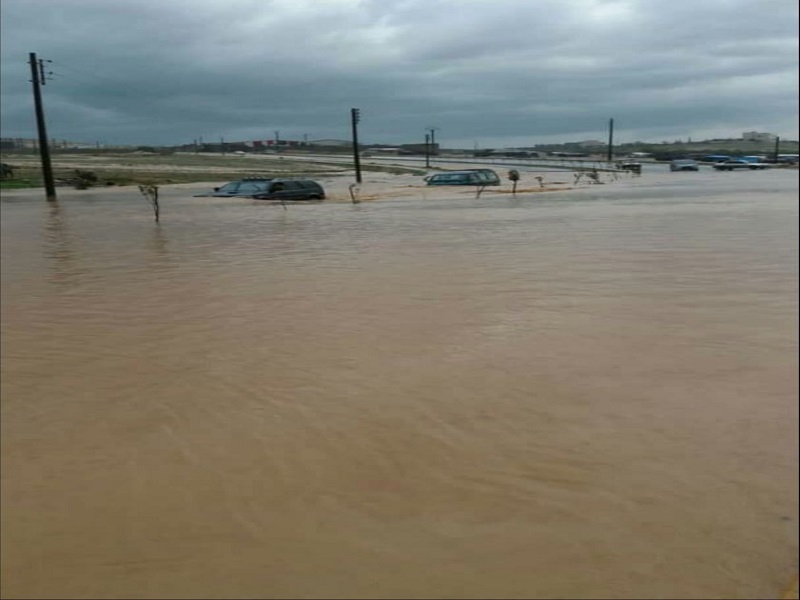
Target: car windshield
[[229, 187]]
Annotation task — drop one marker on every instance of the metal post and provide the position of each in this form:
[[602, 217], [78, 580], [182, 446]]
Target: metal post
[[355, 117], [433, 151], [610, 140], [44, 150]]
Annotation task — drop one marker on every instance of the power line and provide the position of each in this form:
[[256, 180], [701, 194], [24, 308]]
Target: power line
[[85, 75]]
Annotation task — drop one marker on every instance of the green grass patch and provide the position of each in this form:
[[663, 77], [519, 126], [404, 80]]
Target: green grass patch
[[18, 184]]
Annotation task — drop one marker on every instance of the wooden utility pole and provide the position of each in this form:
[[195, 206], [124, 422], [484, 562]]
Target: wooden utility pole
[[427, 150], [610, 155], [44, 150], [355, 117]]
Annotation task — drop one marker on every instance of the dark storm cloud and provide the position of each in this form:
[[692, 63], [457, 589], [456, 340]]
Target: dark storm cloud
[[496, 72]]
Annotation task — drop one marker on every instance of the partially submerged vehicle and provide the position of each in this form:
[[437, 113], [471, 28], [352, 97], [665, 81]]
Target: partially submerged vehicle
[[270, 188], [478, 177], [684, 164], [489, 176], [292, 189], [735, 164], [242, 188]]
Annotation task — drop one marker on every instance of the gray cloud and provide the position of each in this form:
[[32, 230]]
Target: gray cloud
[[493, 72]]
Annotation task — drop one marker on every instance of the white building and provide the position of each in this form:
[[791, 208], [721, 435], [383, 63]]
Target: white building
[[755, 136]]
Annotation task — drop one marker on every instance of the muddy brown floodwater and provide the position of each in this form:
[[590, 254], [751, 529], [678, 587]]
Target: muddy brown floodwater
[[586, 394]]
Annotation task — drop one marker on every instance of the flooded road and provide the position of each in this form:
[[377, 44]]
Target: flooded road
[[576, 395]]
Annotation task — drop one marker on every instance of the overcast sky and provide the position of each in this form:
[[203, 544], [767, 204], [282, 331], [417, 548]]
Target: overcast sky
[[485, 73]]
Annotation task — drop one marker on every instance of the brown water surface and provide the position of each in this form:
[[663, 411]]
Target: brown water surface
[[585, 394]]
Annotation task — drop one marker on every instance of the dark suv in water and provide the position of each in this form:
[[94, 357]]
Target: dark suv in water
[[292, 189], [243, 187], [271, 188]]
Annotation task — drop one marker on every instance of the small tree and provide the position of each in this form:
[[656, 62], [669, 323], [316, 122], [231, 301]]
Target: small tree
[[84, 179], [513, 176], [150, 193]]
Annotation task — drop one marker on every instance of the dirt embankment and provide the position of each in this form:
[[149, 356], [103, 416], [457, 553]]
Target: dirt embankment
[[198, 173]]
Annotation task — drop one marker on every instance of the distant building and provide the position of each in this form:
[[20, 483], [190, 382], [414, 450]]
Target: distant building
[[591, 143], [17, 144], [11, 144], [755, 136], [331, 143], [512, 153], [418, 149]]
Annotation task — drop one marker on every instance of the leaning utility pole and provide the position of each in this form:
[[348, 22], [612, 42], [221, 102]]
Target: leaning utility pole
[[355, 117], [610, 156], [44, 150]]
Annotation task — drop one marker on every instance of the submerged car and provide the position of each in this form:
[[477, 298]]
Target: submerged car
[[466, 177], [739, 163], [270, 188], [291, 189], [242, 187], [489, 176], [684, 164]]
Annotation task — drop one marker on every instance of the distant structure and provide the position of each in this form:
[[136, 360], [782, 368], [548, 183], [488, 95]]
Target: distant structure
[[409, 149], [591, 144], [331, 143], [507, 153], [12, 144], [755, 136]]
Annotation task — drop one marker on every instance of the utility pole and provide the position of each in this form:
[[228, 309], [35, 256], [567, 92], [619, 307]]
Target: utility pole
[[777, 147], [427, 150], [355, 117], [44, 150], [610, 156], [277, 141], [433, 139]]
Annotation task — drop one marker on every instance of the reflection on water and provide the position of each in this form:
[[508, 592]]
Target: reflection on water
[[584, 395], [58, 246], [159, 246]]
